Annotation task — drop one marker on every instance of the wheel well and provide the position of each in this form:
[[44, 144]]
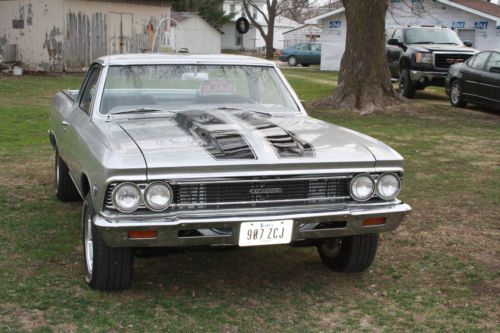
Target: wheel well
[[404, 64], [53, 140], [84, 185]]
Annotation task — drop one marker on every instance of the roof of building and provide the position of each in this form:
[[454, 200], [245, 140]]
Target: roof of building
[[166, 59], [310, 26], [183, 16], [478, 7]]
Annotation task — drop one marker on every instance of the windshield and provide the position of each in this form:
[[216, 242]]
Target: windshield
[[431, 36], [181, 87]]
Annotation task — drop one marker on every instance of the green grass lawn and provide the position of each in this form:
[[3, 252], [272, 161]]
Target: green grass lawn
[[438, 272]]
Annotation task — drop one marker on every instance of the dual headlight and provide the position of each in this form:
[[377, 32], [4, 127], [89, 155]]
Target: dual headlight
[[363, 186], [127, 197]]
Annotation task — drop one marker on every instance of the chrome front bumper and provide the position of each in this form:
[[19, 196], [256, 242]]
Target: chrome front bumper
[[115, 230], [427, 78]]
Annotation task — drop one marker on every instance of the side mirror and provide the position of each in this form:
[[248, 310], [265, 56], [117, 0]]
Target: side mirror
[[495, 70], [393, 41], [468, 43], [397, 42]]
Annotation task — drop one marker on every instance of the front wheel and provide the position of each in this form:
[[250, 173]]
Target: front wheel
[[349, 254], [406, 86], [106, 268], [456, 95]]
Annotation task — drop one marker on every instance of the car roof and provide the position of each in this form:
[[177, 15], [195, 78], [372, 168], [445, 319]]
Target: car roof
[[165, 59]]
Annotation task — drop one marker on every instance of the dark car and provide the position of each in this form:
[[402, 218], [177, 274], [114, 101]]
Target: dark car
[[419, 56], [477, 81], [304, 53]]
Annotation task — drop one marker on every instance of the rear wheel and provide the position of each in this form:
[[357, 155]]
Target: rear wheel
[[292, 61], [349, 254], [106, 268], [456, 95], [65, 188], [406, 86]]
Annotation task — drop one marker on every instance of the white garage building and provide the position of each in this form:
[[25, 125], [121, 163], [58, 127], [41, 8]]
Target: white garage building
[[475, 20]]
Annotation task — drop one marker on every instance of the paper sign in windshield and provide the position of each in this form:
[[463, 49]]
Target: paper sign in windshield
[[218, 87]]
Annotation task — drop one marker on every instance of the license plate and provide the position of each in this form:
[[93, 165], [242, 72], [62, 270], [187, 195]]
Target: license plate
[[265, 233]]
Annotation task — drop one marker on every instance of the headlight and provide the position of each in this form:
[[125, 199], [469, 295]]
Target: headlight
[[362, 187], [388, 186], [126, 197], [424, 58], [158, 196]]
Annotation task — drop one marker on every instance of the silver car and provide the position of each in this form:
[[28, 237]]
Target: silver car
[[189, 150]]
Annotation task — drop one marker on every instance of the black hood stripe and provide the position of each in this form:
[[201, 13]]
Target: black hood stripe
[[219, 143], [285, 143]]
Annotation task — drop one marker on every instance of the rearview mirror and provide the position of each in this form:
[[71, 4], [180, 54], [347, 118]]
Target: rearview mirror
[[495, 70], [468, 43]]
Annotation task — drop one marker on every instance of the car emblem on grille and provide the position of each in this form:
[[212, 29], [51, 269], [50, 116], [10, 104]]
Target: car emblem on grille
[[265, 190], [453, 61]]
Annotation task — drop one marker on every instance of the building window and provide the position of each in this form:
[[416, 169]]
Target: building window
[[239, 39], [254, 13], [232, 8]]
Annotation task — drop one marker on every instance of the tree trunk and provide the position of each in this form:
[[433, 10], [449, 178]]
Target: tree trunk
[[270, 41], [364, 83]]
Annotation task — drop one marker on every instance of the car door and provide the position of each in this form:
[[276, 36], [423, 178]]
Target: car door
[[473, 75], [491, 80], [394, 53], [303, 53], [315, 54], [79, 120]]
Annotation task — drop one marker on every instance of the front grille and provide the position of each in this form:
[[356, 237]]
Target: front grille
[[444, 60], [260, 194], [253, 193]]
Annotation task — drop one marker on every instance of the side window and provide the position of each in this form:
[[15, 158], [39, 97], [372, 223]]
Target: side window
[[316, 47], [398, 34], [493, 61], [479, 61], [89, 90], [304, 47]]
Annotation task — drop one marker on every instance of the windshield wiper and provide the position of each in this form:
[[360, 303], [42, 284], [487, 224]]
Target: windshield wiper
[[229, 108], [142, 110]]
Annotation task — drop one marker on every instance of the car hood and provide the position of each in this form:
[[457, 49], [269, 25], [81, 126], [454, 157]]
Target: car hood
[[443, 48], [200, 141]]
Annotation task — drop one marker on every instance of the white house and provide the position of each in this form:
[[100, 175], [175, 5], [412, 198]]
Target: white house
[[67, 35], [475, 20], [252, 40], [190, 31]]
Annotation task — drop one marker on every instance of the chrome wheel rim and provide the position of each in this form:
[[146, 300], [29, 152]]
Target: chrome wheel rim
[[292, 61], [455, 93], [401, 86], [57, 175], [87, 240]]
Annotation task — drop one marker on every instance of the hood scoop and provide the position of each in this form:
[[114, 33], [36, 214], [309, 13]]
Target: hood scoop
[[285, 143], [214, 135]]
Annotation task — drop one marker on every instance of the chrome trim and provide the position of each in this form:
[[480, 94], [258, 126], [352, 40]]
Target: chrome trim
[[400, 185], [289, 178], [115, 233], [358, 176], [258, 202], [146, 191]]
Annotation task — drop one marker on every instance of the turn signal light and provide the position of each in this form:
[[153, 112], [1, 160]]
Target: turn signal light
[[374, 221], [142, 234]]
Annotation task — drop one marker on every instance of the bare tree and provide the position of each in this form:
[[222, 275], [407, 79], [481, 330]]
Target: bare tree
[[364, 82], [273, 8]]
